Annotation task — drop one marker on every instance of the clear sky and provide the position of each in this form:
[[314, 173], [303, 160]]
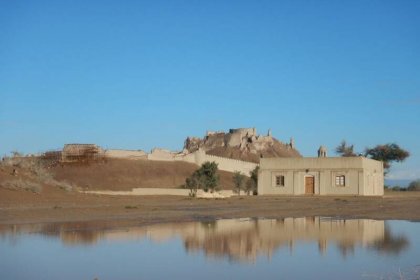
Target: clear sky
[[140, 74]]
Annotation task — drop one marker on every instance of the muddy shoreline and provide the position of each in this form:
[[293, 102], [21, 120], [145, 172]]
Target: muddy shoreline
[[105, 211]]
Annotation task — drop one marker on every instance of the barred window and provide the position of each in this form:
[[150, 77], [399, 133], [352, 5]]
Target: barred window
[[280, 181], [340, 180]]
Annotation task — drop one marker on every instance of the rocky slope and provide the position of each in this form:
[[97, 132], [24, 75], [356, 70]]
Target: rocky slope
[[243, 144]]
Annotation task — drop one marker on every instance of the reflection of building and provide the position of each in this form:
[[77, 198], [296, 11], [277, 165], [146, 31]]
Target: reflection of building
[[246, 239], [321, 176], [238, 239]]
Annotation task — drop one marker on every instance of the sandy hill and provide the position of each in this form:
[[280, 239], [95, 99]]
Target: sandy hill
[[123, 174], [243, 144], [32, 175]]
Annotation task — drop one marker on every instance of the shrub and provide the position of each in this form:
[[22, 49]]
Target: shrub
[[238, 181], [414, 185], [22, 185], [205, 177], [36, 167]]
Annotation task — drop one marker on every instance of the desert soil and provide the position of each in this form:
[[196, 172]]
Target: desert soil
[[19, 207]]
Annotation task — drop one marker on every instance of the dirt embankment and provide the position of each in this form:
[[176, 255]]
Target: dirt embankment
[[122, 175], [112, 174]]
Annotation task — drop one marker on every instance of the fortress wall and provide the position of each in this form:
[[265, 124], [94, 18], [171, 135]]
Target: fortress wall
[[191, 158], [166, 191], [145, 191], [161, 154], [127, 154], [197, 157], [243, 131], [228, 164]]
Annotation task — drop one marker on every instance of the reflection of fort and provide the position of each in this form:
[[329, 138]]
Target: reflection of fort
[[238, 239]]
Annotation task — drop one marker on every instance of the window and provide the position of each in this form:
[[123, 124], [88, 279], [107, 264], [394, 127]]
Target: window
[[280, 181], [340, 180]]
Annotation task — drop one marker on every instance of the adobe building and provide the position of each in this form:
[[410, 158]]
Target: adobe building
[[321, 176], [81, 152]]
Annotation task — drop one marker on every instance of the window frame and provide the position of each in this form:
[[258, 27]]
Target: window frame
[[340, 180], [280, 180]]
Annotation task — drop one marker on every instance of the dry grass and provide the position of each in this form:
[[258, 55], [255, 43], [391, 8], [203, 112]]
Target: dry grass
[[30, 174], [20, 184], [122, 174], [113, 174]]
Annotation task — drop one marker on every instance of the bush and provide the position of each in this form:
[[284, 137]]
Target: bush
[[205, 178], [414, 186], [238, 181], [37, 169]]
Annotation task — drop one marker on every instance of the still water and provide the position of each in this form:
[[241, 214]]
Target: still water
[[291, 248]]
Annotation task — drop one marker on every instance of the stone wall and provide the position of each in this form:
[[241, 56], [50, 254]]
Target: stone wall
[[127, 154], [198, 157], [161, 155], [228, 164], [166, 191]]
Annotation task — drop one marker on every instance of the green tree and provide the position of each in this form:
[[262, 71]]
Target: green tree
[[414, 186], [238, 181], [208, 173], [193, 183], [205, 177], [345, 150], [387, 153], [252, 183]]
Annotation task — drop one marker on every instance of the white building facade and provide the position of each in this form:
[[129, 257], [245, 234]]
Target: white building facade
[[321, 176]]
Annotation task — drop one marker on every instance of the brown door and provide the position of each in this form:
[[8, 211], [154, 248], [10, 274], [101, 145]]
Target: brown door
[[309, 185]]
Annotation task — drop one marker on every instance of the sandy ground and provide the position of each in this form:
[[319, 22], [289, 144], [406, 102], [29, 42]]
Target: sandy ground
[[20, 207]]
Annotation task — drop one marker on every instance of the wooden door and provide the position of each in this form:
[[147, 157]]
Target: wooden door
[[309, 185]]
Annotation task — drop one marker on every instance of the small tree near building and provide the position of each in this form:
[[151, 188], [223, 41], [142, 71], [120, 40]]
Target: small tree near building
[[210, 178], [345, 150], [193, 183], [205, 177], [252, 183], [238, 181], [387, 153], [414, 186]]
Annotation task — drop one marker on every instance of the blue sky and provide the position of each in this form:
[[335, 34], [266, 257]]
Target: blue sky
[[140, 74]]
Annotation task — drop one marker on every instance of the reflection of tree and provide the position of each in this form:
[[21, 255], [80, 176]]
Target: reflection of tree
[[346, 248], [235, 246], [210, 224], [390, 244]]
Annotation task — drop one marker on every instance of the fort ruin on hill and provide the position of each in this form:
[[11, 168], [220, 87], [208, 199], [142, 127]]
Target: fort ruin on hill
[[242, 144], [237, 150], [282, 169]]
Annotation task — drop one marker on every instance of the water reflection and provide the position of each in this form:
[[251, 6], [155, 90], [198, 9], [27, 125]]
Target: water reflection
[[236, 239], [390, 244]]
